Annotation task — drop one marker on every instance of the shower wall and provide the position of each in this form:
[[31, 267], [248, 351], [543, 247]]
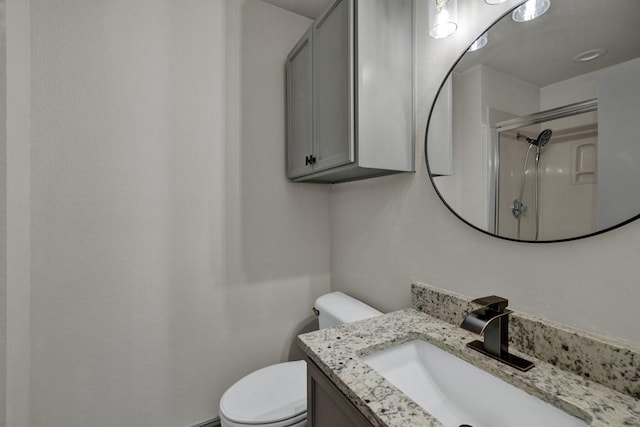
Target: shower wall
[[569, 188], [567, 180]]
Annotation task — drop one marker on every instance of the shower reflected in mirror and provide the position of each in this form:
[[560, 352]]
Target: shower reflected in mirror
[[546, 187], [518, 209]]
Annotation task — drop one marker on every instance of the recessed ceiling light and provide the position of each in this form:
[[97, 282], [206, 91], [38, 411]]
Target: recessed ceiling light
[[530, 10], [589, 55]]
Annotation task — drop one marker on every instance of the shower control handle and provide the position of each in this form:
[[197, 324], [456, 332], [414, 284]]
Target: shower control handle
[[518, 209]]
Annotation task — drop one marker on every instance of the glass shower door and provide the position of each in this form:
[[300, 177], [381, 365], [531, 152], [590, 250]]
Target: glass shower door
[[554, 197]]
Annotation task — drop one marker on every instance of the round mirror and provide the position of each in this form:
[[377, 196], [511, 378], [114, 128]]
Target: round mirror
[[535, 134]]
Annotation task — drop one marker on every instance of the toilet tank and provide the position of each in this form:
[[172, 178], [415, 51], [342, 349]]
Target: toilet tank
[[336, 308]]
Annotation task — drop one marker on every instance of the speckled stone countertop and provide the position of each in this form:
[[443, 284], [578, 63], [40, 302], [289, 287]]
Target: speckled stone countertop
[[613, 364], [338, 352]]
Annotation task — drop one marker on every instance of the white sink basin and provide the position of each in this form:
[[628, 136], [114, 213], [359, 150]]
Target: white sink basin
[[457, 393]]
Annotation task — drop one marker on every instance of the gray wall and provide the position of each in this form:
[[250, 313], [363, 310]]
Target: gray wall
[[17, 213], [3, 214], [389, 232], [171, 256]]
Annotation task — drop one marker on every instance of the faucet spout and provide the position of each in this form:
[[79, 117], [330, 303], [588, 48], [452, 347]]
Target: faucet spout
[[479, 320], [492, 321]]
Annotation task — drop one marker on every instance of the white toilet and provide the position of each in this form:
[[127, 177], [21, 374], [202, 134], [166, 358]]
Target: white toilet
[[276, 396]]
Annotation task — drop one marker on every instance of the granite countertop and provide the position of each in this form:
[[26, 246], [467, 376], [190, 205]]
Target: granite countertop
[[338, 352]]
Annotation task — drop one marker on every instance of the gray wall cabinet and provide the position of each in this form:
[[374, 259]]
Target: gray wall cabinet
[[300, 107], [350, 93]]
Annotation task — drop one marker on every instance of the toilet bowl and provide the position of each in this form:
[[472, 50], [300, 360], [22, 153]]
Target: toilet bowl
[[276, 396]]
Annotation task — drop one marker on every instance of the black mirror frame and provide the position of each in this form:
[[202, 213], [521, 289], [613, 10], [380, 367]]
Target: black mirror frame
[[435, 187]]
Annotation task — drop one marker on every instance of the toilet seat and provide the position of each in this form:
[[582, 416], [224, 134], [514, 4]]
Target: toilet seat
[[275, 396], [298, 421]]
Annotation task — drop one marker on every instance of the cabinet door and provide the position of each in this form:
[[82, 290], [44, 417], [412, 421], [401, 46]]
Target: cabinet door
[[300, 108], [326, 405], [333, 92]]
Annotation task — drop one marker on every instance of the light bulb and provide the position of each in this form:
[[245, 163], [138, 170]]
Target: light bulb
[[479, 43], [530, 10], [443, 17]]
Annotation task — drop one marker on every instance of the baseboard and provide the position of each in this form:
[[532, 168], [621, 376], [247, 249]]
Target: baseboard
[[211, 423]]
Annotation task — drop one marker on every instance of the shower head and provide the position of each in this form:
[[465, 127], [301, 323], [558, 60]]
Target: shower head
[[543, 138]]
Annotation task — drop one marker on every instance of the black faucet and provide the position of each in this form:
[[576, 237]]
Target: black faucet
[[492, 321]]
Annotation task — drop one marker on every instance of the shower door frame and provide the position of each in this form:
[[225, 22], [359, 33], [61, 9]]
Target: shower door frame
[[531, 119]]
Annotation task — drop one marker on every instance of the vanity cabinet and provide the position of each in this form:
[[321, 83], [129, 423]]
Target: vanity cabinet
[[326, 405], [350, 93]]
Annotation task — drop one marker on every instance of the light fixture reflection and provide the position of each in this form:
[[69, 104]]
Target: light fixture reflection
[[494, 1], [589, 55], [443, 18], [479, 43], [530, 10]]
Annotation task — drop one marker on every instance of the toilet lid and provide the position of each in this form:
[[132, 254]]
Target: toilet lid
[[268, 395]]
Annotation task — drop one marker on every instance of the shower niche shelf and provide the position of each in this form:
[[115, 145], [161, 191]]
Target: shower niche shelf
[[583, 169]]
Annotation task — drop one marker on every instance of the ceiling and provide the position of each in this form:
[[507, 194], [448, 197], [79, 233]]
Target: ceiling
[[540, 52], [309, 8]]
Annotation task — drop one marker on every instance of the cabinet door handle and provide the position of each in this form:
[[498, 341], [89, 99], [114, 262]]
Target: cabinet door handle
[[306, 161], [312, 159]]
